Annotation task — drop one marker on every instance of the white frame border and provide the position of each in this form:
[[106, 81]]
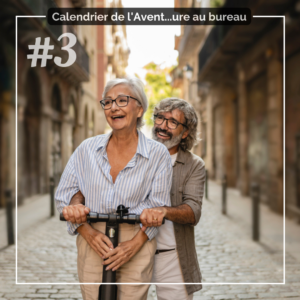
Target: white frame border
[[203, 283]]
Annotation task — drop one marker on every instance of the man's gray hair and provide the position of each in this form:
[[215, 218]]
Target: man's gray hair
[[138, 91], [191, 119]]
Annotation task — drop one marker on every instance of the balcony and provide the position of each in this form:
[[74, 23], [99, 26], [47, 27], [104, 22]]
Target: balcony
[[40, 8], [225, 43], [188, 42], [82, 56], [79, 3], [212, 43]]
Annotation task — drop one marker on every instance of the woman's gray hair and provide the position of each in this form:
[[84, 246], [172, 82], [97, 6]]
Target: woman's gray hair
[[191, 119], [138, 91]]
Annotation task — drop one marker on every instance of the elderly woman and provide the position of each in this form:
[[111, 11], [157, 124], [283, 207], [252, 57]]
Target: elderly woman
[[122, 167]]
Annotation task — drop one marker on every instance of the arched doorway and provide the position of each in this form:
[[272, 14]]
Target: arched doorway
[[56, 105], [32, 117]]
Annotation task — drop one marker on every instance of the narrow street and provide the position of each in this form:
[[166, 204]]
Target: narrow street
[[226, 252]]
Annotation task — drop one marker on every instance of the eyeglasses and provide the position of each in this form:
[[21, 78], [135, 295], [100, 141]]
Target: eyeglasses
[[171, 123], [121, 101]]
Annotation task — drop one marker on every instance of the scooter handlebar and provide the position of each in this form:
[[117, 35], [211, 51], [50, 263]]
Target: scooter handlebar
[[91, 217], [94, 217]]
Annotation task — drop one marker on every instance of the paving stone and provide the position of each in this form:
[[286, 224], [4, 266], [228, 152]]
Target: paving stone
[[45, 291], [221, 297], [37, 296], [75, 295], [290, 294], [26, 290], [247, 296], [268, 295], [57, 296], [67, 291], [214, 292], [14, 295]]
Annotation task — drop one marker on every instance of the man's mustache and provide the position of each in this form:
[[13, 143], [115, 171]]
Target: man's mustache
[[157, 130]]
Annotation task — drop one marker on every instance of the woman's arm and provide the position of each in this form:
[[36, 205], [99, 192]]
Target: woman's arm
[[125, 251], [160, 190], [68, 186], [98, 241]]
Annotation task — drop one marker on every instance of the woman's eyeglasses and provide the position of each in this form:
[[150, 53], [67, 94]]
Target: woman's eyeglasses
[[121, 101]]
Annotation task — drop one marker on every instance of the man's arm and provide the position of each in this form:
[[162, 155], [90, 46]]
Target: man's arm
[[78, 198], [194, 190], [76, 212], [186, 213], [181, 214]]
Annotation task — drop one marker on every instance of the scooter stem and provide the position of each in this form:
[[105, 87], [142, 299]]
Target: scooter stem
[[110, 291]]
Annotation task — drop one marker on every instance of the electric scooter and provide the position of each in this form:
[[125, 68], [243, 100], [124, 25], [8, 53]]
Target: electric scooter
[[109, 292]]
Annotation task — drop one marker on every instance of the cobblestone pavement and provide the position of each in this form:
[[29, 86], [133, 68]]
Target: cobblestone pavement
[[46, 253]]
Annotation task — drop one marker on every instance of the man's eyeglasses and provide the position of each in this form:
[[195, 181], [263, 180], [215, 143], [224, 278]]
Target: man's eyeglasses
[[171, 123], [121, 101]]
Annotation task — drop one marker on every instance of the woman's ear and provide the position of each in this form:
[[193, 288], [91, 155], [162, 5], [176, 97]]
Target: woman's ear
[[141, 110]]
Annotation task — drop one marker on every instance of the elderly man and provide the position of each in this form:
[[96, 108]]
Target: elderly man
[[175, 125]]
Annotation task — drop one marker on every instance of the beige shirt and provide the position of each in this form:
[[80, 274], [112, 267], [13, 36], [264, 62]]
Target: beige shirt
[[188, 187]]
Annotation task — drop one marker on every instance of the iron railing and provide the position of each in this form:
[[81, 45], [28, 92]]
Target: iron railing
[[40, 8], [218, 33], [212, 43], [82, 57]]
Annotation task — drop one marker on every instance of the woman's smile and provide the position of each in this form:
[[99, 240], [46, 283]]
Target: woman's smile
[[117, 117]]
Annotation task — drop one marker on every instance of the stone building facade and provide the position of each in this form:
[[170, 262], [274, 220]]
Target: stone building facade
[[57, 107], [234, 78]]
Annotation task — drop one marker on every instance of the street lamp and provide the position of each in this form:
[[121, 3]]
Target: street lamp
[[188, 71], [203, 87]]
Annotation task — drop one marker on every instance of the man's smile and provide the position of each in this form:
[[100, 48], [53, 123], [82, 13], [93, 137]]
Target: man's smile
[[163, 134]]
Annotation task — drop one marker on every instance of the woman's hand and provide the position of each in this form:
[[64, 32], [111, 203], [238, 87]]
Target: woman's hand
[[124, 252], [98, 241]]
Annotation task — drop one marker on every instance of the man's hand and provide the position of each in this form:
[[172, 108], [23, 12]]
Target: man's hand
[[76, 213], [153, 217]]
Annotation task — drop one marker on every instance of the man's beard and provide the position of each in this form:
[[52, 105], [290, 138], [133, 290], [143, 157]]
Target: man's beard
[[173, 141]]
